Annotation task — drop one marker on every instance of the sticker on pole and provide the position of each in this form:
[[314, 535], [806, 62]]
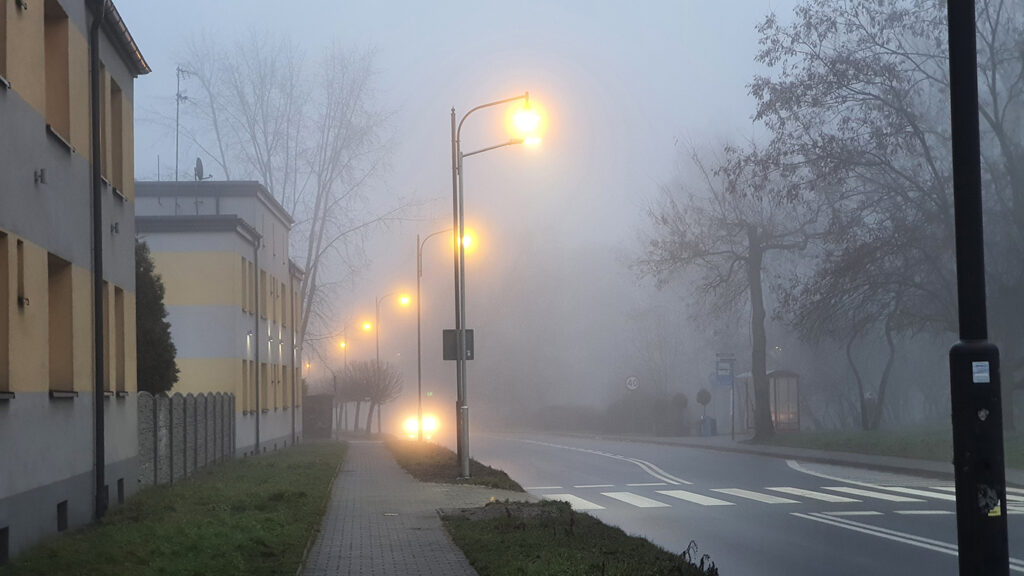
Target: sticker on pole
[[632, 383], [980, 372]]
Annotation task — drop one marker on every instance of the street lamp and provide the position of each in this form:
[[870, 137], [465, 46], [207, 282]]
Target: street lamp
[[419, 346], [526, 121]]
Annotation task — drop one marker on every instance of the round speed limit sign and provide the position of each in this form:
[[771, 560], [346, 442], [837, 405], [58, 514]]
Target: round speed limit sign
[[632, 383]]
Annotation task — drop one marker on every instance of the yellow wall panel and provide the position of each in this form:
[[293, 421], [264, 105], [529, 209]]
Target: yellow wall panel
[[30, 356], [81, 324], [131, 382], [199, 278], [78, 88], [25, 62], [205, 375]]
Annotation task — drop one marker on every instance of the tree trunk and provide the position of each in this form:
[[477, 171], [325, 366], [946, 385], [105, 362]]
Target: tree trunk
[[763, 428], [865, 420], [883, 384], [369, 417], [355, 421]]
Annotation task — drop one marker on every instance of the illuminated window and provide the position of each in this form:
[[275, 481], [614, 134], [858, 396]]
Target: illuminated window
[[59, 313], [55, 32]]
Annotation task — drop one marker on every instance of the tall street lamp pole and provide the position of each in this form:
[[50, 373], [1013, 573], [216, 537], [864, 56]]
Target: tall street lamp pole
[[419, 347], [975, 393], [461, 407]]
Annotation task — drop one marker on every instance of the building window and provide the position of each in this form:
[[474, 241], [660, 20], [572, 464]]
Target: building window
[[282, 305], [116, 135], [104, 124], [55, 32], [59, 312], [19, 257], [119, 334], [263, 293], [62, 515], [252, 384], [4, 6], [245, 387], [245, 285], [107, 359], [5, 311], [264, 396]]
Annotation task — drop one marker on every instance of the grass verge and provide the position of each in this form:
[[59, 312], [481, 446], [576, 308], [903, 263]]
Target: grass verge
[[251, 516], [927, 444], [428, 462], [548, 538]]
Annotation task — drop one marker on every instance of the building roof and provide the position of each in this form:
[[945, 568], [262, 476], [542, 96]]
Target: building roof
[[118, 32], [211, 188], [201, 223]]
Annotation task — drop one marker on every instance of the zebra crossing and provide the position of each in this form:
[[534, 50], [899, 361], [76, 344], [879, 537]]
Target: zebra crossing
[[600, 496]]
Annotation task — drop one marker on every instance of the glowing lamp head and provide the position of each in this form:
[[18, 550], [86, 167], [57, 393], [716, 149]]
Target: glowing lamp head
[[404, 300], [526, 120], [342, 344], [367, 326]]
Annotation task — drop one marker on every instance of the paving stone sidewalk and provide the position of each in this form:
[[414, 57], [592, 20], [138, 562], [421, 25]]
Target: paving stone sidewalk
[[381, 521]]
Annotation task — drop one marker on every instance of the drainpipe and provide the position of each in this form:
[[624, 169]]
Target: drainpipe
[[99, 9]]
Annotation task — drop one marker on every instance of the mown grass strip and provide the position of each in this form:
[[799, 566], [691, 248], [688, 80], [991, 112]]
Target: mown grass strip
[[428, 462], [251, 516], [548, 538], [927, 444]]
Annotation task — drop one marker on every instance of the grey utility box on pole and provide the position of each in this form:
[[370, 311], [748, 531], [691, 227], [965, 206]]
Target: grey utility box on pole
[[451, 344]]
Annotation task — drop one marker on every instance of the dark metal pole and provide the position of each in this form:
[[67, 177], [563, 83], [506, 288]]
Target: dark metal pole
[[460, 449], [99, 438], [256, 335], [419, 348], [973, 362]]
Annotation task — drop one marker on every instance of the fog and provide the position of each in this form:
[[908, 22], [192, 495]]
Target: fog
[[562, 314]]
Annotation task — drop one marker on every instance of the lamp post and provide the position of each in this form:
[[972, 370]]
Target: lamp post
[[461, 406], [419, 346]]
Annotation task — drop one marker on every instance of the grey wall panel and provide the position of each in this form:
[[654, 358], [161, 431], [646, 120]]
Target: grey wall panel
[[147, 443], [163, 439], [177, 437]]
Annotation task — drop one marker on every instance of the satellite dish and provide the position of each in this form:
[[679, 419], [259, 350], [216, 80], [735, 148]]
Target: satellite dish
[[199, 169]]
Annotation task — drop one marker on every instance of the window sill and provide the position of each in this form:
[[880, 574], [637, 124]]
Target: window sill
[[4, 396], [121, 394], [59, 138], [5, 83], [118, 194], [63, 394], [265, 411]]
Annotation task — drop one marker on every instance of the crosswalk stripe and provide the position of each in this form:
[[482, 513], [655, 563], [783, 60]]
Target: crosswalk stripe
[[695, 498], [574, 501], [944, 488], [543, 488], [751, 495], [1014, 490], [648, 484], [1011, 493], [635, 500], [870, 494], [594, 486], [812, 494], [923, 493], [924, 512], [854, 513]]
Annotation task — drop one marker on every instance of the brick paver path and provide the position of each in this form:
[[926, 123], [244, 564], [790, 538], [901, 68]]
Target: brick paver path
[[381, 521]]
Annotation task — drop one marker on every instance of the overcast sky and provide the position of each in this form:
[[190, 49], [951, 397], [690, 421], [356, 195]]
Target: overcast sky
[[627, 86]]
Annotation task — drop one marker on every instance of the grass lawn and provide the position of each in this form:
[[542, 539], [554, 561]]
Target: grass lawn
[[548, 538], [250, 516], [927, 444], [428, 462]]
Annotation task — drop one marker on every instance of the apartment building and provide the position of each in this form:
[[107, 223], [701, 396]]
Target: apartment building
[[233, 300], [51, 466]]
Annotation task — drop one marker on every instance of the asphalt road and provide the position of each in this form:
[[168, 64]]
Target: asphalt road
[[753, 515]]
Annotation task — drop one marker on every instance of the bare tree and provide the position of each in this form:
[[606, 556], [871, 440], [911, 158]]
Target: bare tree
[[377, 384], [312, 134], [725, 231], [859, 91]]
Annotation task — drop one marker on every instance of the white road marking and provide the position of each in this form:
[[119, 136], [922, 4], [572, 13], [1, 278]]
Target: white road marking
[[595, 486], [922, 493], [635, 500], [1010, 496], [695, 498], [543, 488], [751, 495], [575, 502], [643, 464], [944, 488], [855, 513], [924, 512], [1014, 490], [919, 541], [648, 484], [871, 494], [812, 494]]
